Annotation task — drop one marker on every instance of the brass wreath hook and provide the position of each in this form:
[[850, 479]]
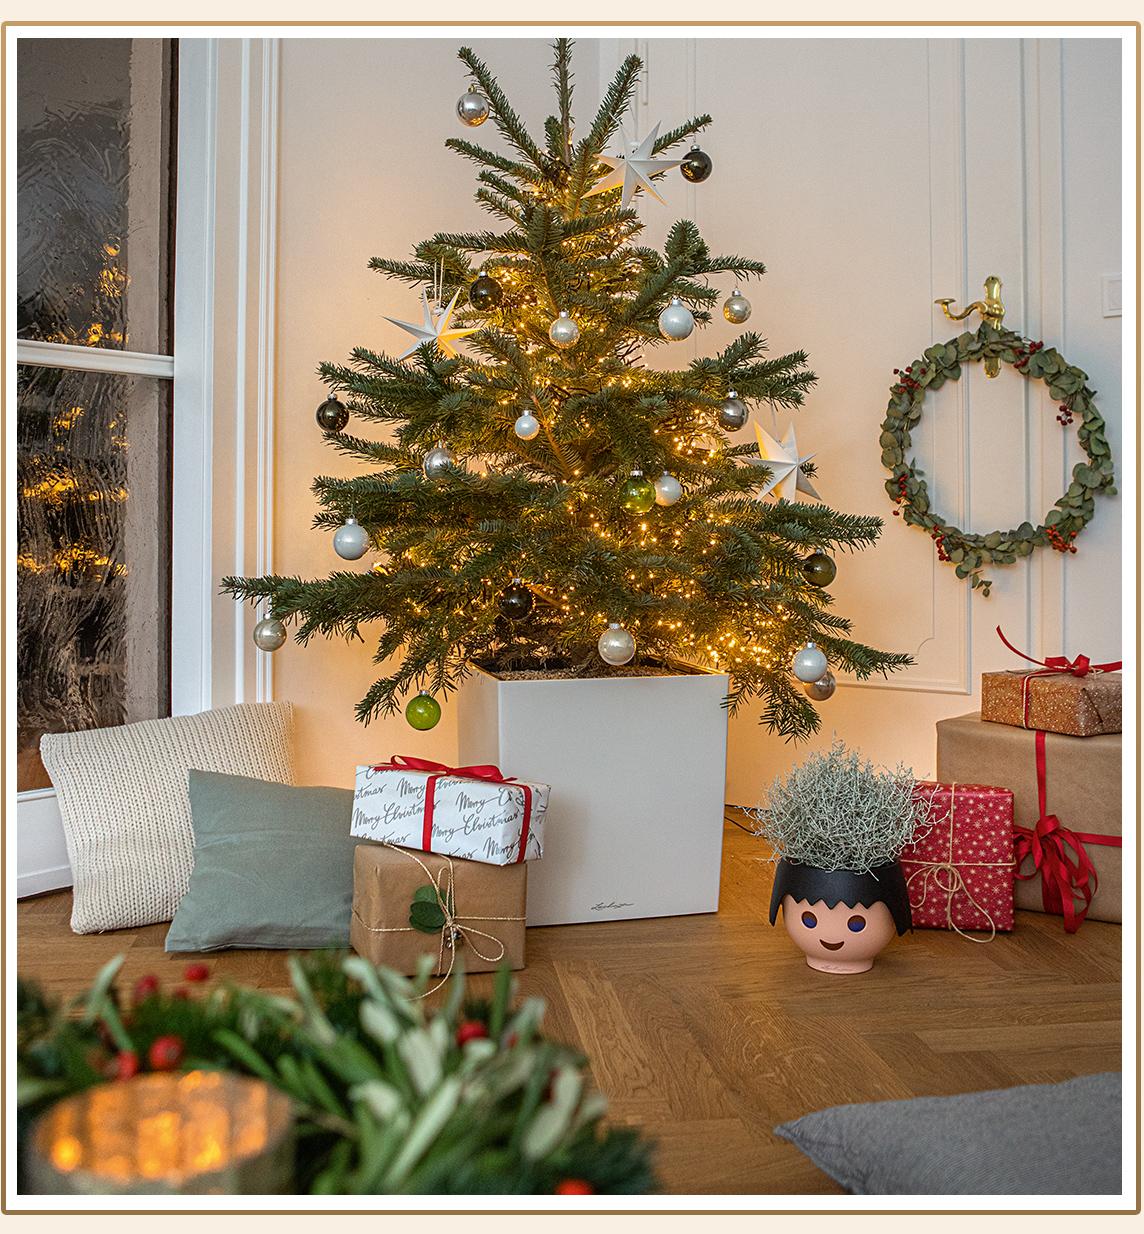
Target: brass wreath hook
[[992, 313]]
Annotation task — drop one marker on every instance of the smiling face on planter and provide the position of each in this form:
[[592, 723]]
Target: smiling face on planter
[[842, 939]]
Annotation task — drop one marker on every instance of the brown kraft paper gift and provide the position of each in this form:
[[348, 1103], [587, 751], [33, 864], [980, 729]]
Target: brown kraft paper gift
[[1054, 702], [488, 910], [1083, 791]]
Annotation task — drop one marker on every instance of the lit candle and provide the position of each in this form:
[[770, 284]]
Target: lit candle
[[191, 1133]]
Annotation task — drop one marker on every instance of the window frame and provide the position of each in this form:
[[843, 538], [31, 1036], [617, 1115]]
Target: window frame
[[222, 369]]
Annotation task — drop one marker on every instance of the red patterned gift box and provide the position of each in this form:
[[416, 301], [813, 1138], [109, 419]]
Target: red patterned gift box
[[960, 872]]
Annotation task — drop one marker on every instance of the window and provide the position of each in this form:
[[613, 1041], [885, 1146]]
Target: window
[[95, 231]]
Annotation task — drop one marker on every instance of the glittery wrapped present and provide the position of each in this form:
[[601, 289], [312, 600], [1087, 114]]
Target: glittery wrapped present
[[1053, 702], [1075, 697], [960, 872]]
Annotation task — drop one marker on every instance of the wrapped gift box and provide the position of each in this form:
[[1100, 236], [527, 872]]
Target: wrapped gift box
[[1082, 791], [1054, 702], [468, 915], [470, 812], [960, 872]]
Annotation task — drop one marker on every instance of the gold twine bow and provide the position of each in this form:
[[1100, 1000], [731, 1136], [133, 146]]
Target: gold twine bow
[[954, 882], [453, 933]]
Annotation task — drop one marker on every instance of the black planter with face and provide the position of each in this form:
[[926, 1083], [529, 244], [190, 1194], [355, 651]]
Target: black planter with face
[[841, 919]]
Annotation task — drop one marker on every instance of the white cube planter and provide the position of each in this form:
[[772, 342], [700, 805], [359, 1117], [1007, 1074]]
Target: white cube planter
[[637, 767]]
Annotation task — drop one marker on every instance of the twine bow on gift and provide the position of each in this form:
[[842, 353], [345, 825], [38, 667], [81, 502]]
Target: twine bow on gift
[[1067, 872], [1078, 666], [454, 931], [488, 772], [949, 880]]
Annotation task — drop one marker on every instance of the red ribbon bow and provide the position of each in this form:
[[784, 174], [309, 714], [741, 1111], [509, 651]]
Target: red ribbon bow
[[1066, 877], [479, 771], [1080, 666]]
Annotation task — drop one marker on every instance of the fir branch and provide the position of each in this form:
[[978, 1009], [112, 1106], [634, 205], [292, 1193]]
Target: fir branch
[[504, 117]]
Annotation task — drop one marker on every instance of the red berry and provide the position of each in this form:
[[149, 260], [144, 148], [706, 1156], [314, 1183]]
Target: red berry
[[166, 1053], [145, 987], [196, 972], [471, 1030], [125, 1065], [574, 1186]]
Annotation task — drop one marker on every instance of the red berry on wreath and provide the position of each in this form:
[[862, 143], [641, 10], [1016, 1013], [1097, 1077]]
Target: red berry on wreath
[[125, 1065], [166, 1053], [471, 1030], [196, 972], [145, 987], [574, 1186]]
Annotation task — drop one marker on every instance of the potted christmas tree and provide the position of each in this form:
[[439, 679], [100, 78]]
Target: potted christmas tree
[[838, 825], [573, 530]]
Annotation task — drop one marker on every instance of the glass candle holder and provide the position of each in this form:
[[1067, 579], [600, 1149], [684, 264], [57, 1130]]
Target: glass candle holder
[[174, 1133]]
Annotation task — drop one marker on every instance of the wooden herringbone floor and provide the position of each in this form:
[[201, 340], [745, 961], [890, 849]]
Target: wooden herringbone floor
[[707, 1031]]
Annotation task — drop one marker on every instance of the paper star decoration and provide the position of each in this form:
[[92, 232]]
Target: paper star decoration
[[434, 329], [635, 171], [785, 463]]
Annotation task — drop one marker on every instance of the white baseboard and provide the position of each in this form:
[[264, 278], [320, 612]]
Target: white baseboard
[[41, 850], [39, 881]]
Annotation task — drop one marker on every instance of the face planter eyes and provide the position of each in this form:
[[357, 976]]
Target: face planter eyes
[[842, 939]]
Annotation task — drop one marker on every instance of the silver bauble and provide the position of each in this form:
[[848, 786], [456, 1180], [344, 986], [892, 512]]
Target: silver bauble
[[809, 664], [269, 634], [676, 321], [732, 411], [616, 645], [351, 540], [821, 689], [526, 426], [472, 108], [668, 490], [564, 332], [438, 461], [736, 308]]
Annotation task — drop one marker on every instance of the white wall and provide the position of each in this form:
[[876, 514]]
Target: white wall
[[871, 177]]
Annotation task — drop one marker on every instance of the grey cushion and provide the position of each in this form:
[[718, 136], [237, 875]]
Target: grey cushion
[[273, 866], [1038, 1139]]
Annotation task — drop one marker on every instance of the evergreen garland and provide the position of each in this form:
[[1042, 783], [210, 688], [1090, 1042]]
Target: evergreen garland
[[390, 1097], [714, 580]]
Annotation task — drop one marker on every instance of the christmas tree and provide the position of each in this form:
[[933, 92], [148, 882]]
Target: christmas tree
[[544, 488]]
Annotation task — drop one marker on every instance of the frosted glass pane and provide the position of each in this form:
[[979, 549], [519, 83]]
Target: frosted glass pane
[[92, 554], [94, 145]]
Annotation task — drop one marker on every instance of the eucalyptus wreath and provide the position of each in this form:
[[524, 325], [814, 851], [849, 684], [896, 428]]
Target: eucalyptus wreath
[[970, 552]]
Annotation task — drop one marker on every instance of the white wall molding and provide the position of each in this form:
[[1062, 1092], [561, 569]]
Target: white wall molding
[[224, 366]]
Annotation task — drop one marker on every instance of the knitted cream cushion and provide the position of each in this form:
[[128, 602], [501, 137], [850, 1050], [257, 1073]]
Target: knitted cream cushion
[[125, 807]]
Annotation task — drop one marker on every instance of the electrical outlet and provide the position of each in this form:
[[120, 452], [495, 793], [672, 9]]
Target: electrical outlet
[[1110, 295]]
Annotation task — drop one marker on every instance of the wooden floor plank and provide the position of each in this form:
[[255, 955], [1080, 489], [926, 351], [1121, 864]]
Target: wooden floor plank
[[708, 1031]]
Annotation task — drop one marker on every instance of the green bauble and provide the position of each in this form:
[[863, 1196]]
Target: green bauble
[[819, 570], [638, 494], [423, 711]]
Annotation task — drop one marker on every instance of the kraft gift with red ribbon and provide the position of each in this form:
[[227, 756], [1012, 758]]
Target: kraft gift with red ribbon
[[1075, 697], [1066, 808], [1069, 880], [959, 872], [472, 812]]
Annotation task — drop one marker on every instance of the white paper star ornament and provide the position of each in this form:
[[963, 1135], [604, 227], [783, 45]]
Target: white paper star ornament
[[785, 464], [634, 171], [434, 328]]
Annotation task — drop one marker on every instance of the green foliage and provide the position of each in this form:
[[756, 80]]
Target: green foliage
[[837, 811], [712, 581], [971, 553], [386, 1099]]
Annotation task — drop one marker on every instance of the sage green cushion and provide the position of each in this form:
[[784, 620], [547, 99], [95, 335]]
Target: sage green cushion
[[274, 866]]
